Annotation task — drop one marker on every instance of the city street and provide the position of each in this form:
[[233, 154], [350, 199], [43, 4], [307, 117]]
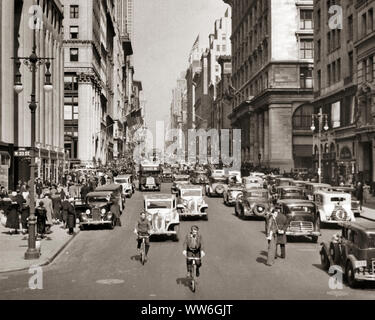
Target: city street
[[102, 264]]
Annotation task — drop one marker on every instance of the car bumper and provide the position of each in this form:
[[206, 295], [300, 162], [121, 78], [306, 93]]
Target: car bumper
[[86, 223], [159, 233], [150, 187], [231, 202], [303, 233], [193, 214], [364, 277]]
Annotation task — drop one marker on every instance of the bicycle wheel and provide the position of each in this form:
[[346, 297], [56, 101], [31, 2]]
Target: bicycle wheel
[[193, 287], [143, 253]]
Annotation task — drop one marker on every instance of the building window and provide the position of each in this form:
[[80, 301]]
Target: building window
[[74, 54], [68, 112], [318, 17], [306, 79], [318, 49], [338, 69], [224, 37], [329, 75], [319, 73], [74, 12], [350, 28], [364, 25], [306, 49], [371, 20], [217, 48], [224, 48], [73, 32], [351, 65], [328, 42], [306, 20]]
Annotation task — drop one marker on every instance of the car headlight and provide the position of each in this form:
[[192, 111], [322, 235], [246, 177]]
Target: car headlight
[[103, 211], [88, 212], [260, 209], [109, 216]]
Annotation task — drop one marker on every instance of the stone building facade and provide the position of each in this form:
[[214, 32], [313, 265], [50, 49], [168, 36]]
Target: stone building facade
[[272, 59]]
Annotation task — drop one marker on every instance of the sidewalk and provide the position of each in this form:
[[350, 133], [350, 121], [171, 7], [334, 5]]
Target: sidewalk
[[13, 247]]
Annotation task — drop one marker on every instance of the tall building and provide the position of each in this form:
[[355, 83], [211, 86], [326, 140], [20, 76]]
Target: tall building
[[345, 90], [96, 48], [15, 116], [272, 60]]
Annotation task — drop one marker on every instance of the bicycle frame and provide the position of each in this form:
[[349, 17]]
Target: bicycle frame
[[143, 247]]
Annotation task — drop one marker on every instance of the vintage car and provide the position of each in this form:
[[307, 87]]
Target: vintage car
[[149, 176], [304, 218], [333, 207], [231, 193], [179, 179], [218, 172], [312, 187], [257, 174], [252, 182], [199, 177], [161, 211], [289, 192], [299, 183], [353, 251], [167, 175], [279, 182], [127, 182], [216, 186], [98, 206], [252, 202], [190, 202], [355, 203], [235, 176]]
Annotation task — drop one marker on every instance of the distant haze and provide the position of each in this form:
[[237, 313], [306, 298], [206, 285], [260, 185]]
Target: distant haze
[[164, 33]]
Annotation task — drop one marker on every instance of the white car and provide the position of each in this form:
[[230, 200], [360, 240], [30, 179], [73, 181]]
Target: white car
[[191, 203], [162, 213], [333, 207], [127, 183]]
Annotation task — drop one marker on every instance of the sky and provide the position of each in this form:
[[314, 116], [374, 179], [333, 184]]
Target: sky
[[164, 33]]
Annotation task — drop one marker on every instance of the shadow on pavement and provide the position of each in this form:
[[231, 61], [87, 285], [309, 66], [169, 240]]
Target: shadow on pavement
[[262, 260], [264, 253], [184, 281], [136, 257]]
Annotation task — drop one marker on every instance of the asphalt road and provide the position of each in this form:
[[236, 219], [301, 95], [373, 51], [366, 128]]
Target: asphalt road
[[102, 264]]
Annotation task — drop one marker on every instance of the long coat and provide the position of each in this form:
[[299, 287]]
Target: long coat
[[115, 209], [41, 215], [281, 222], [49, 208], [65, 208], [71, 217], [56, 204], [13, 217]]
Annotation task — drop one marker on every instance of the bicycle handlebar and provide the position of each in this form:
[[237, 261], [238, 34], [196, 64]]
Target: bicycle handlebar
[[193, 258]]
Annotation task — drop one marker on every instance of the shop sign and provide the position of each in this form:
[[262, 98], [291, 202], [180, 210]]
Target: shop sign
[[22, 153]]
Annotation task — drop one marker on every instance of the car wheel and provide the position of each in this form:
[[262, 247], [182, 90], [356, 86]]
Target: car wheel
[[349, 275], [82, 227], [112, 225], [324, 260], [314, 239], [176, 236]]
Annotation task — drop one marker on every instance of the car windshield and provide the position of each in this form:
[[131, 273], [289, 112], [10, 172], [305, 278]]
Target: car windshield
[[92, 200], [121, 180], [221, 180], [257, 194], [181, 179], [301, 208], [338, 199], [371, 240], [159, 204], [291, 191], [191, 193]]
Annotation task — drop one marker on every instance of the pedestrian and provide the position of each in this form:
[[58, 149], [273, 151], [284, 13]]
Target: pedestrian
[[12, 213], [56, 205], [277, 225], [41, 218], [20, 200], [71, 217], [39, 188], [25, 213], [115, 210], [49, 211], [359, 194], [64, 210], [84, 191]]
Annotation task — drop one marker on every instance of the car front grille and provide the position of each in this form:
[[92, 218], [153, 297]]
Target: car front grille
[[96, 214], [301, 226]]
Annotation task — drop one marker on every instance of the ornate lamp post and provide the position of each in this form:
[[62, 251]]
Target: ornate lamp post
[[32, 62], [320, 117]]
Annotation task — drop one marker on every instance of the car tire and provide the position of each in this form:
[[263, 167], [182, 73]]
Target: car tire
[[349, 275], [314, 239], [82, 228], [112, 225], [176, 236], [324, 260]]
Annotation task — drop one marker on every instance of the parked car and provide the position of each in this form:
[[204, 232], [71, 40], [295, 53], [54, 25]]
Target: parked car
[[199, 177], [234, 176], [353, 250], [333, 207], [304, 218], [218, 172], [177, 180], [161, 211], [231, 193], [252, 202], [355, 203], [98, 206], [312, 187], [127, 182], [289, 192], [190, 202], [216, 186]]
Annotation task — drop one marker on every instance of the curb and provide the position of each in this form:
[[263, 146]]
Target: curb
[[48, 260]]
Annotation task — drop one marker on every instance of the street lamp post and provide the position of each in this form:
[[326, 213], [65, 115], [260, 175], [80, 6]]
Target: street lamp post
[[33, 61], [321, 118]]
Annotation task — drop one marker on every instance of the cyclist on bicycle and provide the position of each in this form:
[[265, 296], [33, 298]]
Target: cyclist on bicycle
[[193, 248], [142, 228]]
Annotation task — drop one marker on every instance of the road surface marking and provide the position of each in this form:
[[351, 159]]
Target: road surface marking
[[110, 281]]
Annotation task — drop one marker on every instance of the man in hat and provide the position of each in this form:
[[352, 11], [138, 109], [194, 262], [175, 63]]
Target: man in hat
[[115, 209], [193, 247], [71, 217], [142, 228], [49, 208]]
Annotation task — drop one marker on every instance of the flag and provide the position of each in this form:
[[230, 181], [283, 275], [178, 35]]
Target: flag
[[196, 44]]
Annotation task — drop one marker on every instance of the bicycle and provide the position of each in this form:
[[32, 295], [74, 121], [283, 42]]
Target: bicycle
[[193, 282], [143, 248]]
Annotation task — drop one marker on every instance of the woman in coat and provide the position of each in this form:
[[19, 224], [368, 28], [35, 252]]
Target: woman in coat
[[41, 215], [12, 213], [56, 204], [71, 216], [49, 208]]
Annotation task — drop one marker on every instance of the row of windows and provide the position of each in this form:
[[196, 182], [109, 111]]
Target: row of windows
[[55, 20], [366, 70], [334, 72], [333, 40], [367, 23]]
